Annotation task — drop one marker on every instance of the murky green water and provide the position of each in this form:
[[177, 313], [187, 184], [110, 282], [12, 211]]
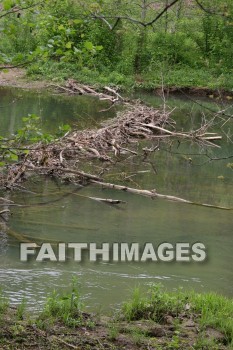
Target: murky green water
[[54, 110], [74, 218]]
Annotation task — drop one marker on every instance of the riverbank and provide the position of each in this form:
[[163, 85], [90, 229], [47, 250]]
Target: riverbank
[[159, 320], [176, 82], [17, 78]]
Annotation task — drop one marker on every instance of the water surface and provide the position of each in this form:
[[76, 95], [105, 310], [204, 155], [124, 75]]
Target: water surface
[[76, 218]]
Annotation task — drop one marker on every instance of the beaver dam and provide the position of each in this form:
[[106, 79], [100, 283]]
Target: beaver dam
[[136, 132], [52, 198]]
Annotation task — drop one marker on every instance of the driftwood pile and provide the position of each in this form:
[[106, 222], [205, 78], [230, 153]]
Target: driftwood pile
[[74, 87], [104, 143], [116, 138]]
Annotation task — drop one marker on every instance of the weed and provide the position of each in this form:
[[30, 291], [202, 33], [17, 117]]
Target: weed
[[3, 304], [66, 308], [113, 332], [210, 310], [21, 310]]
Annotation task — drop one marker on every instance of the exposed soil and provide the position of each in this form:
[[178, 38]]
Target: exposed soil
[[16, 77], [181, 333]]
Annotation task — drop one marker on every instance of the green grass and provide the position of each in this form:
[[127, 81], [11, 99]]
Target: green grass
[[141, 323], [154, 305], [58, 72], [65, 308], [170, 76], [186, 77], [3, 304], [211, 310]]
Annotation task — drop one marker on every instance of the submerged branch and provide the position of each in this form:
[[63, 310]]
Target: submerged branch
[[153, 194], [117, 140]]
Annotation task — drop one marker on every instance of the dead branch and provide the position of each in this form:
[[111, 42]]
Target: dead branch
[[73, 87], [73, 171], [115, 138], [118, 137], [192, 135], [107, 200], [5, 211], [153, 194]]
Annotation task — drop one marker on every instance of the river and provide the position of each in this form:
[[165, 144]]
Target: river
[[182, 170]]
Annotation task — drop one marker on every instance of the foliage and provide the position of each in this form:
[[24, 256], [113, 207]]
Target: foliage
[[82, 37], [66, 308], [31, 132]]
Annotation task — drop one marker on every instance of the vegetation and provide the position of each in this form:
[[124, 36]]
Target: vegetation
[[16, 147], [210, 310], [181, 43], [176, 43], [161, 320]]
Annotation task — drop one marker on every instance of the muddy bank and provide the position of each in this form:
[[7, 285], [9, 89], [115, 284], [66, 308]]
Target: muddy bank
[[157, 321], [17, 77], [104, 333], [218, 95]]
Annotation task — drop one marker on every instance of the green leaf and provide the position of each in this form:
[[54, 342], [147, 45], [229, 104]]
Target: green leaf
[[14, 157], [69, 44], [88, 45], [59, 52], [99, 47], [77, 21], [7, 5], [61, 27]]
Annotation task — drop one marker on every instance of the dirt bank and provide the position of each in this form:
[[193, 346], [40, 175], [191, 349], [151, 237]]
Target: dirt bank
[[17, 78], [99, 333]]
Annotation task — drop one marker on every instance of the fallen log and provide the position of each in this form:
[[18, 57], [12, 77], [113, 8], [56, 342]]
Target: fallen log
[[153, 194]]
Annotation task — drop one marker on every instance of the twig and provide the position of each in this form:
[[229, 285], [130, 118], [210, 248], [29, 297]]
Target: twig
[[18, 9]]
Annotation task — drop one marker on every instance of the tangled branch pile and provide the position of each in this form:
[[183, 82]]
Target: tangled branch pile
[[117, 137], [74, 87]]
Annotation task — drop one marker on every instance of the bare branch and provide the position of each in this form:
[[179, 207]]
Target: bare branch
[[16, 66], [118, 18], [162, 13], [18, 9], [210, 12], [127, 18]]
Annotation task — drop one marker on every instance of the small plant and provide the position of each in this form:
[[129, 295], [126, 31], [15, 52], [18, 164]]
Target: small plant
[[175, 343], [113, 332], [15, 148], [157, 304], [3, 304], [21, 310], [66, 308], [31, 131], [137, 338], [205, 344]]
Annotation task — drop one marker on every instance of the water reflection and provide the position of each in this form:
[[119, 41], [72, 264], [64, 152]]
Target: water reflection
[[73, 218]]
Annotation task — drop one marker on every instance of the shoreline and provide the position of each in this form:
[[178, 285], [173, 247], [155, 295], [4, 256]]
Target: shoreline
[[157, 320], [17, 78]]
